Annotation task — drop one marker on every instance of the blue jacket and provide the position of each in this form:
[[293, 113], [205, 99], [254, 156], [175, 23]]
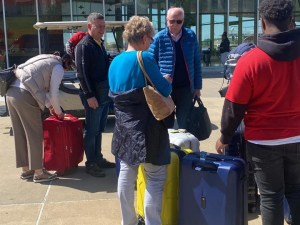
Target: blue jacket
[[163, 51]]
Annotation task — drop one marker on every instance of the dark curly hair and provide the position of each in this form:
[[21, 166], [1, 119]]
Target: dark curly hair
[[65, 58], [277, 12]]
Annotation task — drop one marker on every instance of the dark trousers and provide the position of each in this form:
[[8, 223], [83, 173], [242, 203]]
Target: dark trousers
[[183, 100], [277, 173], [95, 122]]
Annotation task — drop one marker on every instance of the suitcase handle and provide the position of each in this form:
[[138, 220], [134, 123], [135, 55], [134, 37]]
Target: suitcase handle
[[202, 166]]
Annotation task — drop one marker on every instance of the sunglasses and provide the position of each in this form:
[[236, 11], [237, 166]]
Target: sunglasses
[[177, 21]]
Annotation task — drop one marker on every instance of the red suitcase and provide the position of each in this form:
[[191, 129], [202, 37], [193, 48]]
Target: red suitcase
[[63, 143]]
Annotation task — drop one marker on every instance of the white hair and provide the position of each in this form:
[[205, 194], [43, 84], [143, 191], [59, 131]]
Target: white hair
[[175, 8]]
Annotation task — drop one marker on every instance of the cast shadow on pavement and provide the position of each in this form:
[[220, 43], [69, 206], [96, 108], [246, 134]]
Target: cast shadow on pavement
[[256, 214], [78, 179]]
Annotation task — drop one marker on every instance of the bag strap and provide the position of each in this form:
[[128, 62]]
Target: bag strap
[[140, 60], [30, 63], [198, 100]]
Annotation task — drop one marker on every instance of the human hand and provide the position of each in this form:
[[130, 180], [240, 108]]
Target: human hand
[[197, 92], [60, 116], [52, 111], [220, 147], [93, 103], [168, 78]]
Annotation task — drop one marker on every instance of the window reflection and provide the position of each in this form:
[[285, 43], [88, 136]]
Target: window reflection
[[22, 37]]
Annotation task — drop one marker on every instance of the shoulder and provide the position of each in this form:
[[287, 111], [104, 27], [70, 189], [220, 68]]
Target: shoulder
[[188, 32], [58, 68], [255, 55], [84, 41], [162, 33], [147, 56]]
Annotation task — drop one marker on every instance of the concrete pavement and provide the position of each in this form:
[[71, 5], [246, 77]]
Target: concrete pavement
[[78, 198]]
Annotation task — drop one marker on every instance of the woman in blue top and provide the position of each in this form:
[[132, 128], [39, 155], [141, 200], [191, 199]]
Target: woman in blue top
[[138, 137]]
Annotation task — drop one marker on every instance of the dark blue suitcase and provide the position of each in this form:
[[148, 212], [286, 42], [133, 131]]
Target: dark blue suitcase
[[213, 190], [287, 212], [237, 148]]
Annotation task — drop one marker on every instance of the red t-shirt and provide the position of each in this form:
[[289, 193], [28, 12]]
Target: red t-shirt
[[271, 89]]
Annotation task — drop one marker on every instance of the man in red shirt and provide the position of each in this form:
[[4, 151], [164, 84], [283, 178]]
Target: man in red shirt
[[73, 41], [265, 92]]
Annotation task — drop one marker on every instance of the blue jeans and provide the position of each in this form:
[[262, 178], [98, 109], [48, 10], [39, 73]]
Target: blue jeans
[[183, 100], [277, 173], [95, 122]]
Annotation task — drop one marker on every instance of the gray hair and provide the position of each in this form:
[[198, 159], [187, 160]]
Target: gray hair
[[94, 16], [173, 7]]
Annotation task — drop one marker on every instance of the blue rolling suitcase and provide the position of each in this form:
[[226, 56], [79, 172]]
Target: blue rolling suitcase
[[213, 190]]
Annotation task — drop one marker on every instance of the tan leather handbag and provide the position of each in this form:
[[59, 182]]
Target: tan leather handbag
[[160, 106]]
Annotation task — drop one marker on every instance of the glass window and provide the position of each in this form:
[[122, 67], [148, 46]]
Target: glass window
[[205, 33], [117, 11], [54, 11], [233, 34], [219, 28], [155, 11], [82, 8], [22, 37], [248, 23], [2, 43], [213, 6]]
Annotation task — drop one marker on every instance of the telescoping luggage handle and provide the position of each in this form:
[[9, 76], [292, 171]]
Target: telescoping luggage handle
[[202, 163]]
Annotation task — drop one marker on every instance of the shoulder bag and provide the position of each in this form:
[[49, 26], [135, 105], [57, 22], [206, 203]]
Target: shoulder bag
[[7, 76], [160, 106]]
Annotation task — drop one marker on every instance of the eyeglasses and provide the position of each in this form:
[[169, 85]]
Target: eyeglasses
[[177, 21], [151, 40]]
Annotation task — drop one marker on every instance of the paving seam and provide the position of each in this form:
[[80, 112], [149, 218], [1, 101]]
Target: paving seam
[[61, 202], [213, 81], [43, 204], [25, 204], [91, 200]]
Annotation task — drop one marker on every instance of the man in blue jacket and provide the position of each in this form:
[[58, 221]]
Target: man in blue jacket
[[177, 53]]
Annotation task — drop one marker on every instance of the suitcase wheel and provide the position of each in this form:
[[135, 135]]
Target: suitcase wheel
[[60, 173], [251, 208], [141, 220]]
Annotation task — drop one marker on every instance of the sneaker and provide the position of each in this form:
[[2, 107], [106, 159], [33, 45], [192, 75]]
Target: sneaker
[[106, 164], [27, 174], [95, 171], [43, 177]]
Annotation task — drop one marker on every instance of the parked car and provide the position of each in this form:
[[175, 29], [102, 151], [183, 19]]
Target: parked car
[[69, 88]]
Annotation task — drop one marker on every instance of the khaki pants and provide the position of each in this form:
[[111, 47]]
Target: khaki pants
[[27, 127]]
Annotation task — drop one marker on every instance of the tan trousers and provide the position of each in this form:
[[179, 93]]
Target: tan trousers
[[27, 127]]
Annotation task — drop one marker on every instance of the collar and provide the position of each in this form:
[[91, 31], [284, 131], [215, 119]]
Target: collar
[[98, 42], [101, 40], [176, 37]]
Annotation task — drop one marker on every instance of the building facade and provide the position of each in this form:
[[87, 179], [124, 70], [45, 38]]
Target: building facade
[[208, 18]]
